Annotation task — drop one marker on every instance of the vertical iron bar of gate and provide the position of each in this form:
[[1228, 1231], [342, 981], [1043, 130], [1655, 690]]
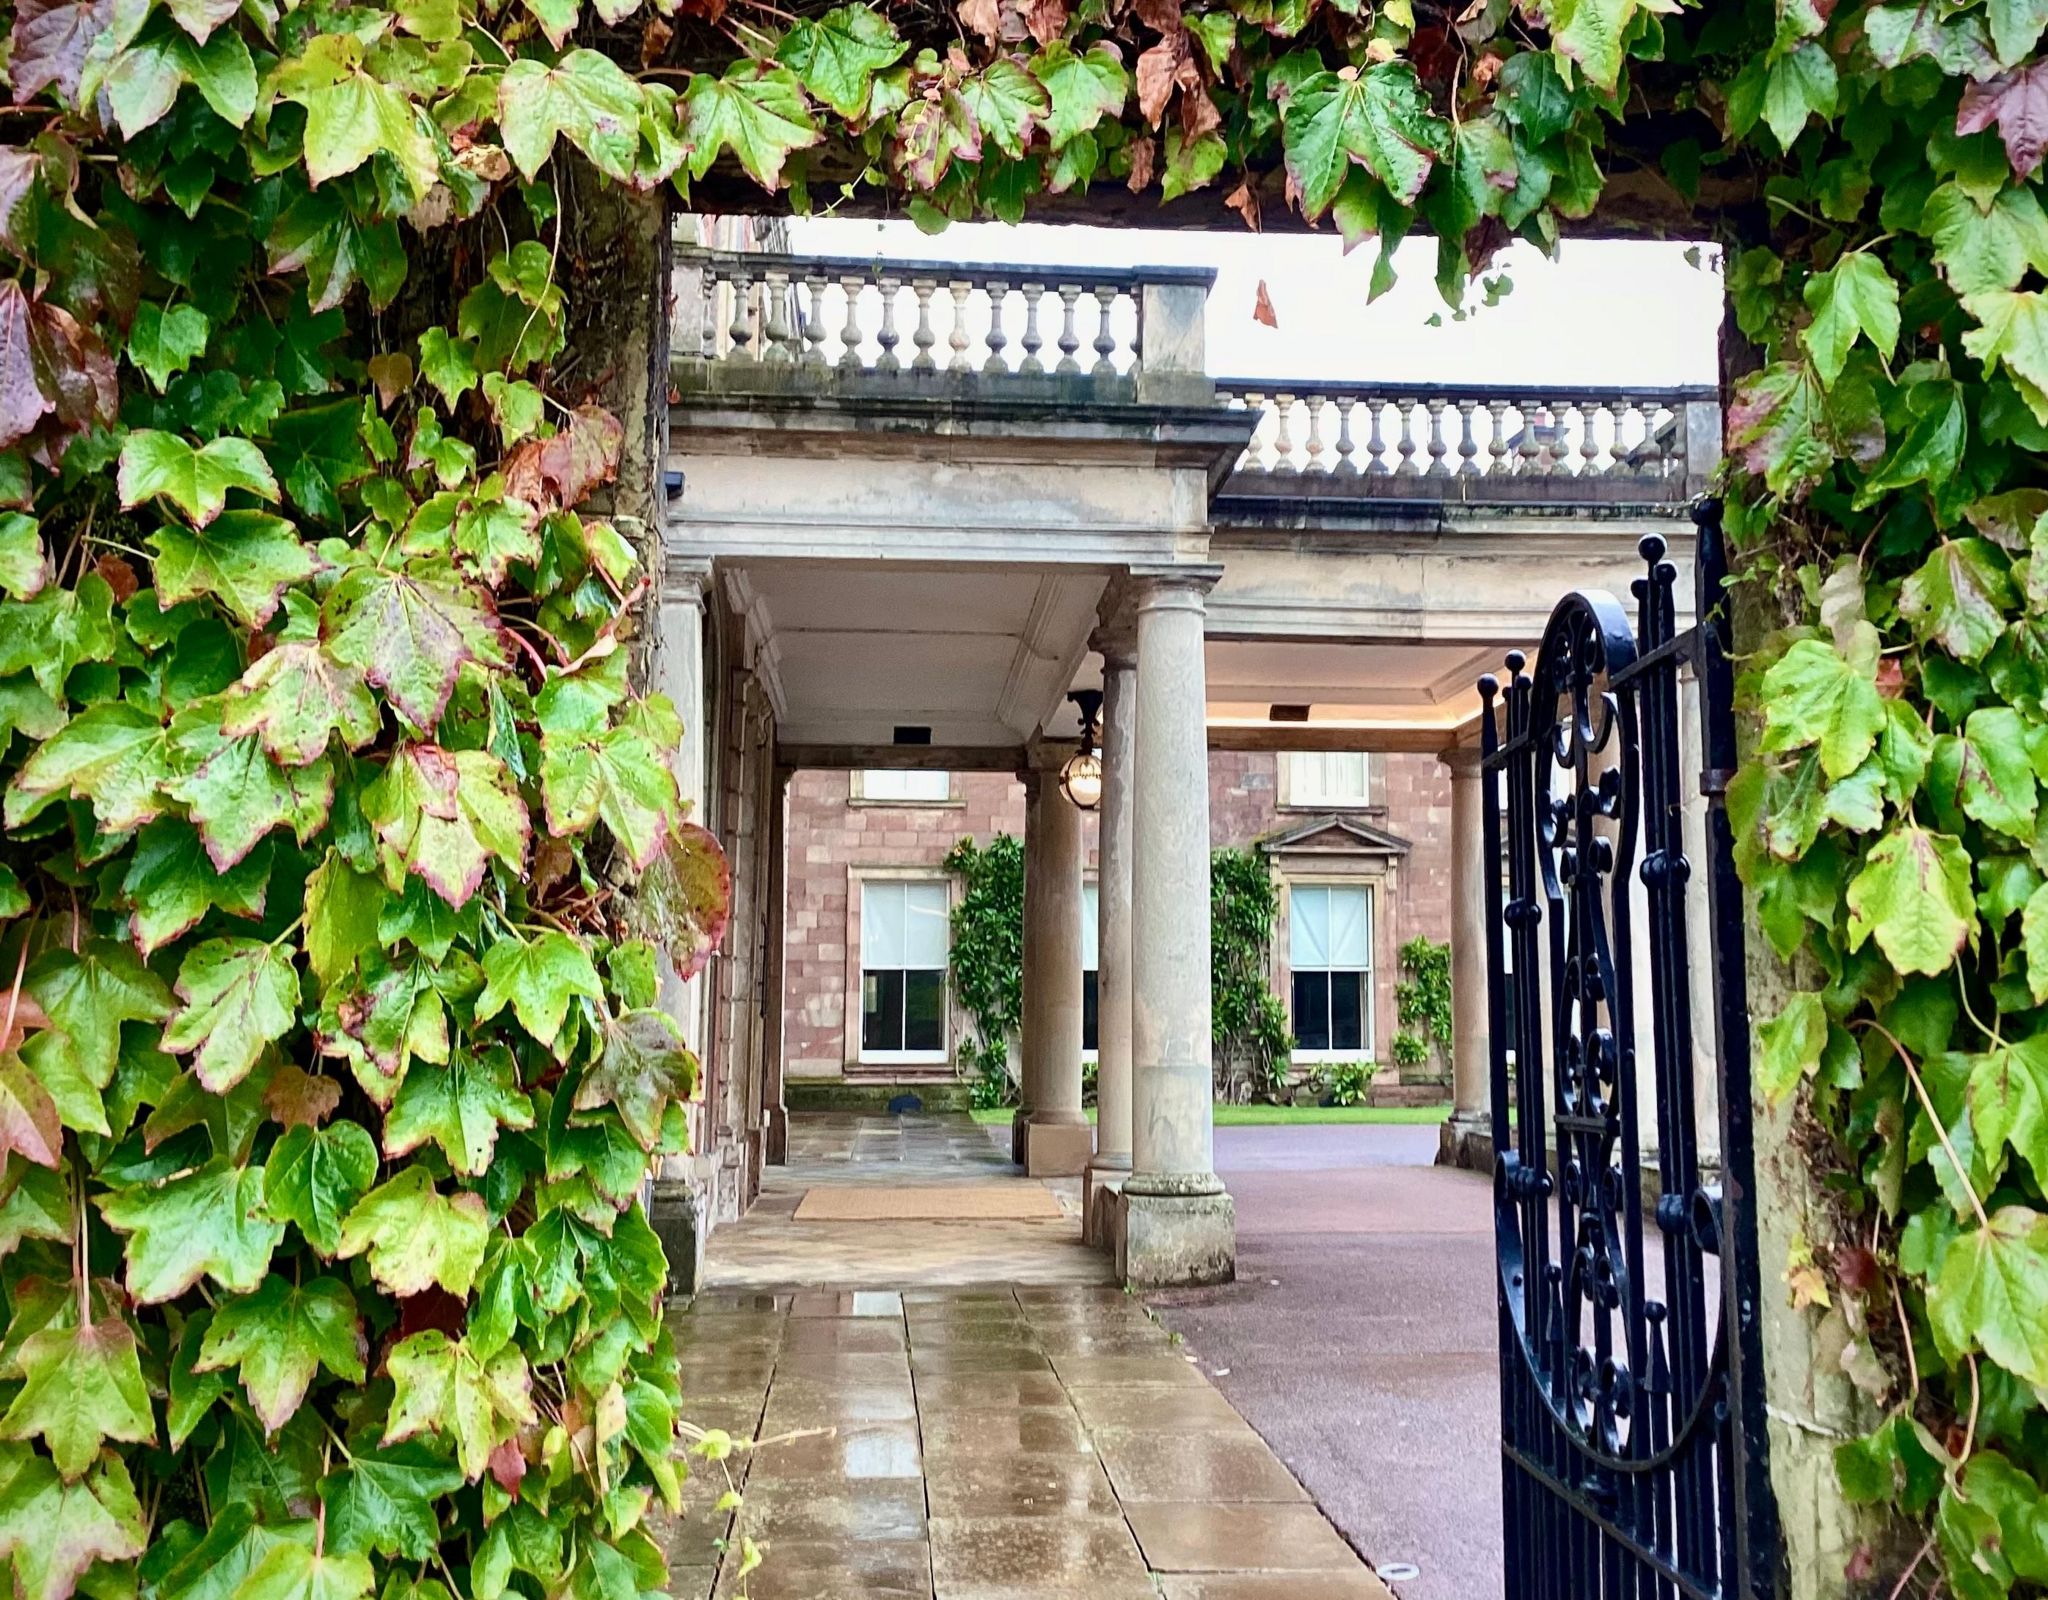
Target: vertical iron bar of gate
[[1755, 1512]]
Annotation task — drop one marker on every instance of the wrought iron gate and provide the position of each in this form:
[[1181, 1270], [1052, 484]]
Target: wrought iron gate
[[1631, 1391]]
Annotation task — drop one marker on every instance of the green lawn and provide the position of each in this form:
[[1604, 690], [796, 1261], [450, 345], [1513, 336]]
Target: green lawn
[[1275, 1116]]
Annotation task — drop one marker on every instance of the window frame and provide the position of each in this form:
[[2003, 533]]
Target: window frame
[[1293, 790], [858, 795], [1368, 1008], [856, 1010], [1090, 904]]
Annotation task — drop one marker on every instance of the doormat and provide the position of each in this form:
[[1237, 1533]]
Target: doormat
[[1017, 1200]]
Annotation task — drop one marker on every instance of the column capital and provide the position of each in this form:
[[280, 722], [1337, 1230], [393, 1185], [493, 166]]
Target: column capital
[[1115, 638], [685, 578], [1463, 760], [1168, 582]]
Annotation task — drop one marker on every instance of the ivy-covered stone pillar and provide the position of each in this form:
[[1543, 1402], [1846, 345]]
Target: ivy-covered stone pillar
[[1057, 1138], [1467, 1139], [1173, 1223], [1118, 646]]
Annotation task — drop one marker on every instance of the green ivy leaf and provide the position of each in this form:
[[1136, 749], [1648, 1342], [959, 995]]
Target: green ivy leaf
[[384, 1501], [1084, 86], [293, 1572], [173, 884], [315, 1176], [195, 480], [1992, 1294], [409, 635], [115, 756], [165, 340], [415, 1236], [462, 1105], [1913, 895], [297, 697], [203, 1223], [615, 776], [82, 1385], [279, 1336], [756, 112], [1854, 298], [645, 1065], [1379, 119], [240, 995], [342, 911], [351, 115], [1792, 1044], [836, 56], [2012, 336], [1813, 696], [537, 977], [584, 98], [442, 1388], [448, 363], [247, 559], [91, 993], [1959, 597]]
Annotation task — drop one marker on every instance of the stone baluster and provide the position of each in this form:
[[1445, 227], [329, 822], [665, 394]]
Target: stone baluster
[[956, 338], [1346, 466], [1376, 441], [1529, 453], [1439, 447], [777, 335], [1070, 339], [707, 318], [1468, 441], [742, 332], [812, 305], [924, 337], [1254, 457], [1315, 404], [1405, 409], [1283, 439], [1105, 336], [998, 294], [1034, 341], [850, 335], [886, 336], [1497, 436]]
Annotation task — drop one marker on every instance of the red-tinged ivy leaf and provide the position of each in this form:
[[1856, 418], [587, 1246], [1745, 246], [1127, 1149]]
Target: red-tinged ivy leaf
[[441, 814], [116, 756], [645, 1065], [1959, 597], [22, 401], [298, 1098], [460, 1106], [409, 636], [55, 1531], [172, 883], [207, 1223], [686, 897], [280, 1336], [194, 479], [82, 1385], [236, 793], [24, 569], [416, 1237], [537, 977], [442, 1387], [200, 17], [1913, 895], [836, 56], [617, 777], [240, 995], [297, 698], [49, 43], [29, 1125], [557, 472], [584, 98], [246, 559], [1007, 103], [931, 133], [1789, 429], [508, 1466], [2017, 102], [755, 111], [293, 1572], [315, 1176], [1084, 88], [1379, 119], [90, 993]]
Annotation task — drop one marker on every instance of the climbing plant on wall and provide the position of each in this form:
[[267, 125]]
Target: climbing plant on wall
[[986, 960], [332, 1062], [1246, 1019], [1422, 1002]]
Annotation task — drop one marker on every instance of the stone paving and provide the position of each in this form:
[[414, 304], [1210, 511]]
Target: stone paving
[[997, 1424]]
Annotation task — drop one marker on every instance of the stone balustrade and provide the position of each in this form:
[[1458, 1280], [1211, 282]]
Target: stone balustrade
[[1663, 441], [863, 316]]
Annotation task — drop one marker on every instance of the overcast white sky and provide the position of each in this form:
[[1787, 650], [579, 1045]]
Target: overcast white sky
[[1603, 312]]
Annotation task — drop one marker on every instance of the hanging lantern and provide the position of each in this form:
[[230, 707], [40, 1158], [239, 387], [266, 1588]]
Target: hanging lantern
[[1081, 777]]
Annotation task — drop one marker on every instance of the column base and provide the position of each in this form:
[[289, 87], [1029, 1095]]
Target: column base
[[1172, 1241], [1466, 1140], [775, 1144], [682, 1222], [1057, 1149], [1101, 1179]]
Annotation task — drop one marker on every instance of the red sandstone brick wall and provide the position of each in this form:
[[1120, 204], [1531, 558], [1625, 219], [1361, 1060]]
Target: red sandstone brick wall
[[830, 835]]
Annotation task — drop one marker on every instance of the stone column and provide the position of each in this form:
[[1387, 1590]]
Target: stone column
[[1113, 947], [1057, 1138], [1028, 1026], [1173, 1222], [1468, 1136], [774, 1110]]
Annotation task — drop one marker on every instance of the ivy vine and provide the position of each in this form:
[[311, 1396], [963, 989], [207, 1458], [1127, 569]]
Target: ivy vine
[[1422, 1002], [986, 960], [1247, 1021]]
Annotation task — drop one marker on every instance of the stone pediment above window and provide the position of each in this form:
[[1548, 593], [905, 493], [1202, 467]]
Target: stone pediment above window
[[1336, 834]]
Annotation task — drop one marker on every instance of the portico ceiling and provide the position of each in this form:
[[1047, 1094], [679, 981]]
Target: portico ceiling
[[1399, 696]]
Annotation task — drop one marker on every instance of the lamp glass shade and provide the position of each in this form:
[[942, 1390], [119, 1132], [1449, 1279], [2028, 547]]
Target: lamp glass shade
[[1081, 779]]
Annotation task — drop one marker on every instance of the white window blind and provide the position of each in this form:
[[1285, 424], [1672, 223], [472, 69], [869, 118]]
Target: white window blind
[[903, 926], [1329, 778], [1090, 928], [882, 783], [1329, 927]]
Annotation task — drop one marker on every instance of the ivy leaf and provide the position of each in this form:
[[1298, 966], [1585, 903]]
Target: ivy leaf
[[384, 1501], [297, 698], [315, 1176], [1992, 1294], [442, 814], [2012, 335], [1007, 103], [1590, 33], [1190, 163], [142, 82], [24, 569], [448, 363], [165, 340], [29, 1125], [645, 1065], [282, 1334], [1854, 297], [195, 480], [1789, 429], [837, 55], [1380, 120], [585, 98], [1085, 88], [114, 756], [342, 911], [294, 1572], [90, 994], [2017, 102], [172, 884], [687, 895], [1959, 597], [616, 776], [1797, 86], [1792, 1044], [1913, 894], [82, 1385], [203, 1223], [461, 1106], [410, 636], [755, 111], [1814, 696], [416, 1237], [1995, 778], [317, 233], [441, 1387], [49, 44], [239, 994], [1931, 446], [2008, 1095], [537, 977], [245, 558], [54, 1531], [237, 794], [1980, 248], [351, 115]]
